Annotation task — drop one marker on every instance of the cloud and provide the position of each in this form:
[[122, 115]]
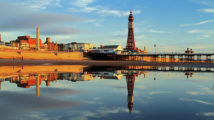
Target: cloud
[[140, 37], [35, 116], [195, 31], [85, 6], [17, 18], [203, 33], [207, 10], [96, 22], [119, 35], [199, 23], [209, 3], [59, 31], [157, 31], [40, 4], [196, 100], [205, 2], [83, 3], [58, 91], [204, 91], [206, 114], [14, 104], [159, 92], [99, 113], [105, 12]]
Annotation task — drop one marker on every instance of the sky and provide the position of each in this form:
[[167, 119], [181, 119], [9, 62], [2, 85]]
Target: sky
[[173, 25]]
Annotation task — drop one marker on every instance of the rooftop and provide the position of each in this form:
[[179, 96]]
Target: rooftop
[[110, 47]]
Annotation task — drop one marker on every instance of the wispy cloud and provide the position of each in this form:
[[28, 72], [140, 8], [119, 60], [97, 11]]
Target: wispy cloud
[[206, 114], [204, 91], [197, 101], [58, 30], [17, 17], [39, 4], [205, 2], [100, 112], [159, 92], [209, 3], [115, 12], [43, 103], [207, 10], [96, 22], [203, 33], [157, 31], [85, 6], [140, 37], [83, 2], [199, 23]]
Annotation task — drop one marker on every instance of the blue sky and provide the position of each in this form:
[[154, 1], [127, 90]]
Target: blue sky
[[173, 25]]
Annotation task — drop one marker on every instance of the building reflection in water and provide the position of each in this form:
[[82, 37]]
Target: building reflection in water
[[26, 80]]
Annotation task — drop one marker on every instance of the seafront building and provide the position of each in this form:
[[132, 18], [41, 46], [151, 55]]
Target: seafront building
[[26, 42], [74, 46], [51, 46], [109, 49], [78, 46]]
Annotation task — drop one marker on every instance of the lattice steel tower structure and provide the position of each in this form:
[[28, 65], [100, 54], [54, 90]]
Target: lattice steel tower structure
[[130, 41]]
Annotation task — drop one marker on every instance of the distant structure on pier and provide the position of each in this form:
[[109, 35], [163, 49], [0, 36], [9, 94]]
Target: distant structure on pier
[[130, 41]]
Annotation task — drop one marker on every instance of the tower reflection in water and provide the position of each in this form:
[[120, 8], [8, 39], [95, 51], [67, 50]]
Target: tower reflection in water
[[130, 79], [26, 80]]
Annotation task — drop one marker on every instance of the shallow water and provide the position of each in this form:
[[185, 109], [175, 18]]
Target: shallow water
[[107, 93]]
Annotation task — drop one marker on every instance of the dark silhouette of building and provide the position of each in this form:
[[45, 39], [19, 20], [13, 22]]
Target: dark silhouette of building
[[61, 47]]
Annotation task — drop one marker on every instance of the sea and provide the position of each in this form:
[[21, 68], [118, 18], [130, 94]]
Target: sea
[[106, 93]]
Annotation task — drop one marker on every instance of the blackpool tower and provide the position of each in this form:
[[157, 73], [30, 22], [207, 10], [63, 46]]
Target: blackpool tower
[[130, 41]]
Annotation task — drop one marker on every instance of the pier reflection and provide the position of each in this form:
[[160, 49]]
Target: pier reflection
[[129, 73]]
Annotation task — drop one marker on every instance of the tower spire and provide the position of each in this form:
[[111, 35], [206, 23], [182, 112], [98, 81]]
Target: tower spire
[[130, 40], [37, 38]]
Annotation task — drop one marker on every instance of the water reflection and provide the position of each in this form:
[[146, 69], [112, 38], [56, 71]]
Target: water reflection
[[25, 79]]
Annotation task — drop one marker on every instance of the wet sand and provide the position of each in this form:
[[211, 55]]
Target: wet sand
[[11, 62]]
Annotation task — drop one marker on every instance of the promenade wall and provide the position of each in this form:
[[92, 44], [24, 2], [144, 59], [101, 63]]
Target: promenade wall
[[40, 55]]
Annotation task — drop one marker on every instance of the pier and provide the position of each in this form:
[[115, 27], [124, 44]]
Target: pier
[[165, 57]]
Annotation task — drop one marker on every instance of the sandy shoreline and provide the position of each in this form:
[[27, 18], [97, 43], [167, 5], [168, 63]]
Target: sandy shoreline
[[10, 62]]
